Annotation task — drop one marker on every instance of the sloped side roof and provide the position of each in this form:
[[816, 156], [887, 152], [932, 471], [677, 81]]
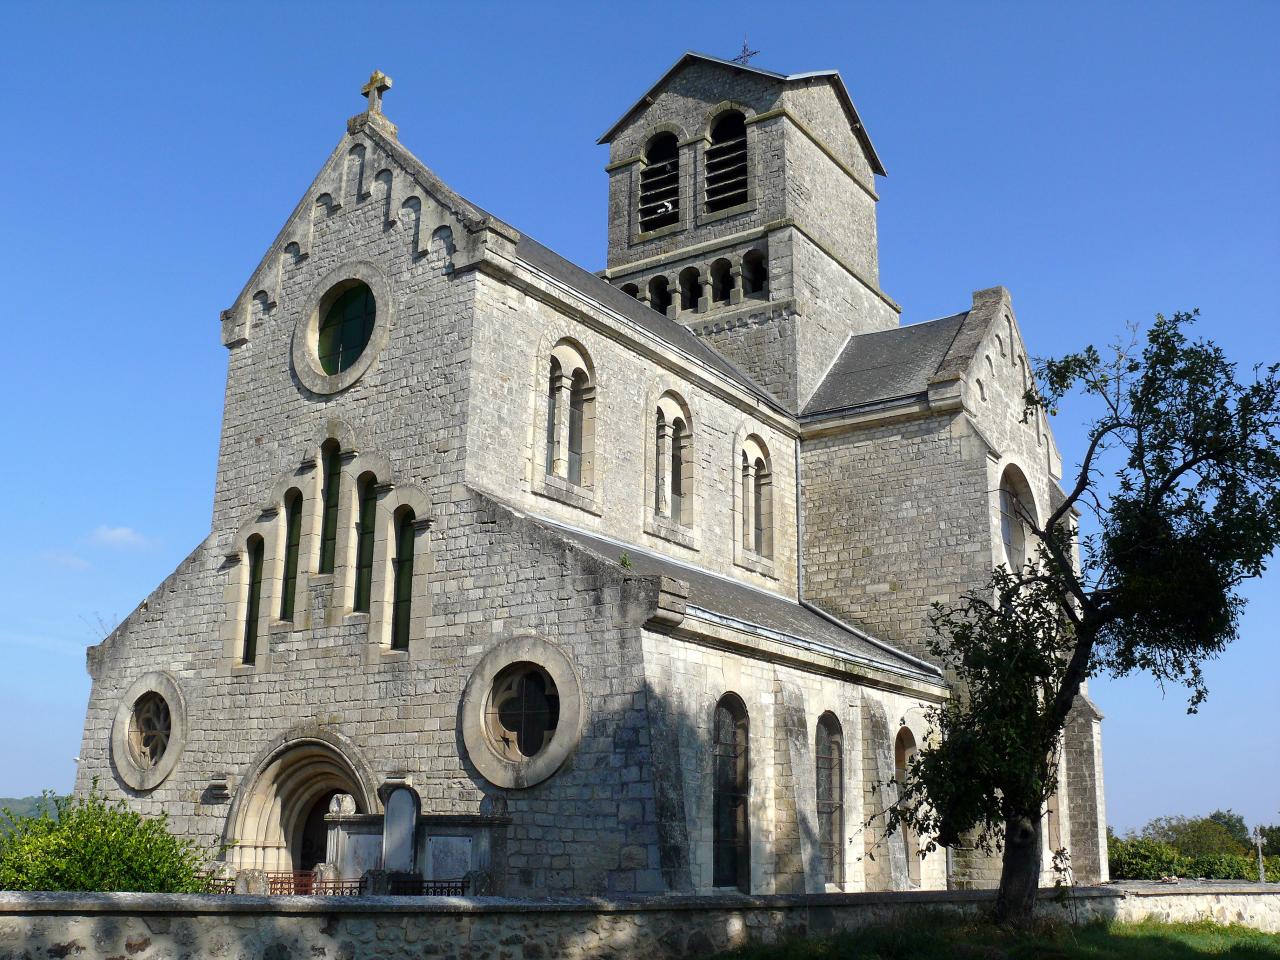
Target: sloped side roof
[[886, 365], [750, 607], [837, 83], [659, 324]]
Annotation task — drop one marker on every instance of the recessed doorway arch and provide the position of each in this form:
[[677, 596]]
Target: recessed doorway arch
[[276, 822]]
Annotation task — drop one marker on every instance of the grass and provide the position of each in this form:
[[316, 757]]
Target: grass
[[974, 940]]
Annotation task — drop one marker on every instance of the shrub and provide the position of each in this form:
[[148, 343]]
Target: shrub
[[1139, 858], [92, 844]]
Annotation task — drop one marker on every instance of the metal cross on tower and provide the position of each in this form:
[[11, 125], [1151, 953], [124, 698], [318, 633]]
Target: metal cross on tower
[[747, 53], [379, 83]]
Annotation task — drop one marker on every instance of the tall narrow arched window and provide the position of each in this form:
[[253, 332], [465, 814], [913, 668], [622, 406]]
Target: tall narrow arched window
[[731, 861], [660, 183], [1016, 508], [672, 461], [726, 163], [755, 276], [292, 537], [756, 498], [904, 751], [402, 576], [331, 490], [570, 416], [367, 486], [829, 760], [249, 651], [679, 433], [577, 425]]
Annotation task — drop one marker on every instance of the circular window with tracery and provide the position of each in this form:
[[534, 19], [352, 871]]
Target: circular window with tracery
[[523, 711], [149, 730], [346, 327]]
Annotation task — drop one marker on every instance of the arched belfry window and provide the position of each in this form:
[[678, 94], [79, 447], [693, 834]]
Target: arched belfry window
[[254, 548], [755, 275], [673, 461], [756, 498], [904, 751], [292, 538], [402, 579], [829, 762], [726, 162], [731, 860], [721, 281], [570, 434], [367, 490], [660, 294], [660, 183], [690, 288], [330, 492], [1016, 508]]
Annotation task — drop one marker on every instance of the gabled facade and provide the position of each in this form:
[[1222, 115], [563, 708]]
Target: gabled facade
[[516, 581]]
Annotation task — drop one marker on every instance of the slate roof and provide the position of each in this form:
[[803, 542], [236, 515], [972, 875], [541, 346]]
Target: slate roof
[[842, 93], [770, 614], [887, 365], [659, 324]]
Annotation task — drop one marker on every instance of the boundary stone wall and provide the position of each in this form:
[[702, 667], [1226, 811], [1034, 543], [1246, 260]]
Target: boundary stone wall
[[154, 926]]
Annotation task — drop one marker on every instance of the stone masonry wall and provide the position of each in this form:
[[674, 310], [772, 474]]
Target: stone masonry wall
[[151, 926]]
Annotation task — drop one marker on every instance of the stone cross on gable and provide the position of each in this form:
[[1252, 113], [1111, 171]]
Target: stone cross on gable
[[379, 83]]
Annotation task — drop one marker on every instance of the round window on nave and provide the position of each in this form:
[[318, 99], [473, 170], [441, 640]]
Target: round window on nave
[[523, 711], [150, 728]]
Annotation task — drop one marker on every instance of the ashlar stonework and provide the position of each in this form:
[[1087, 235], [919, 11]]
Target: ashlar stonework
[[527, 580]]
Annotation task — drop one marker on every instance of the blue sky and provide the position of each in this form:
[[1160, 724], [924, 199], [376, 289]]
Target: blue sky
[[1103, 161]]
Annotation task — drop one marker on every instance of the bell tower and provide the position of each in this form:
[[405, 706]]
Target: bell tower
[[742, 203]]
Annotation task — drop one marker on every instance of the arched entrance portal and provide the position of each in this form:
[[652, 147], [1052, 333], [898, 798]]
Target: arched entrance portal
[[277, 822]]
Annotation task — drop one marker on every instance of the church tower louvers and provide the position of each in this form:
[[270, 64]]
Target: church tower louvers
[[742, 203]]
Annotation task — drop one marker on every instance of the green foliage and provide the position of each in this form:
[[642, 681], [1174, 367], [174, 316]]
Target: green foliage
[[24, 807], [91, 844], [1234, 824], [943, 939], [1181, 483], [1199, 836], [1142, 858], [1271, 840]]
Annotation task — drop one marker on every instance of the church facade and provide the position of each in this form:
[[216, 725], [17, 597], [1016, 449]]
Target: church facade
[[570, 583]]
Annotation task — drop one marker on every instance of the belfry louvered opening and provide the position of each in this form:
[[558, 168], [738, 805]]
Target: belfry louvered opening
[[660, 183], [726, 163]]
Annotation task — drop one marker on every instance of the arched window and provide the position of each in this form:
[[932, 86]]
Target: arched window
[[331, 490], [345, 328], [292, 537], [721, 281], [673, 464], [731, 861], [402, 577], [904, 751], [726, 162], [829, 761], [755, 275], [660, 294], [570, 417], [757, 498], [660, 183], [367, 486], [631, 290], [690, 288], [1016, 507], [254, 548]]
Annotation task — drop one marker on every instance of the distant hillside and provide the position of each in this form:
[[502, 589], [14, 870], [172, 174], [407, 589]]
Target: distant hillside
[[21, 806]]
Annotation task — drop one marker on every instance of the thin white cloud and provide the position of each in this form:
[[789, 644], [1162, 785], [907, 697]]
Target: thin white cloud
[[120, 537], [65, 559]]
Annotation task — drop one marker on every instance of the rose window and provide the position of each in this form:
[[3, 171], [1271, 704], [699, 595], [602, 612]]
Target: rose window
[[523, 711], [149, 730]]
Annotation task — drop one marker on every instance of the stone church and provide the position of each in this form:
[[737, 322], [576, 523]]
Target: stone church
[[538, 581]]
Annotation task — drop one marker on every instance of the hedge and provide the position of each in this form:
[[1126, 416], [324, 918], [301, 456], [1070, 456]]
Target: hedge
[[1142, 859]]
